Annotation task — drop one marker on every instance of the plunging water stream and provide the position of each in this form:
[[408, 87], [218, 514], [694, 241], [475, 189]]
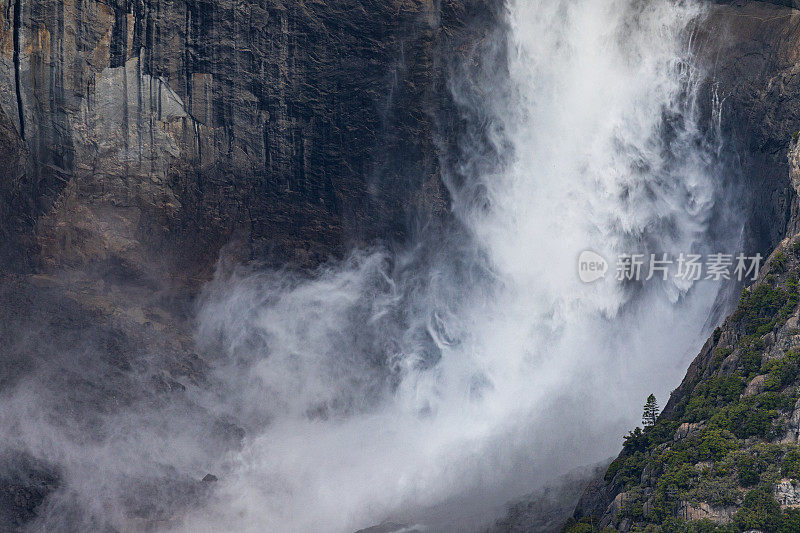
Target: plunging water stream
[[473, 370]]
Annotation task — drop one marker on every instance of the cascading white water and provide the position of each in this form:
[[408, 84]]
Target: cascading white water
[[387, 386]]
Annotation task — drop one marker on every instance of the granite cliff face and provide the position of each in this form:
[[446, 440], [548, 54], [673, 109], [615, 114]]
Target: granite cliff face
[[750, 53], [164, 130]]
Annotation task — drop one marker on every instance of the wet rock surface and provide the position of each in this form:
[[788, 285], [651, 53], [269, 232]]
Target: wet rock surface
[[754, 89], [546, 510], [24, 484]]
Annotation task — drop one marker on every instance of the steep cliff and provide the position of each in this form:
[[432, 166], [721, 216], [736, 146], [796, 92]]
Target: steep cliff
[[165, 129], [139, 139], [750, 51], [724, 449]]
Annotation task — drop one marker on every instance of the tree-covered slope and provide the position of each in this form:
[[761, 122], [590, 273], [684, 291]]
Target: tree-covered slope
[[725, 453]]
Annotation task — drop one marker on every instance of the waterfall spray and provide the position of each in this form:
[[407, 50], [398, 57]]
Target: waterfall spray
[[388, 386]]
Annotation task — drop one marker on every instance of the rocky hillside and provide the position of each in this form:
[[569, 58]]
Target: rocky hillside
[[726, 449]]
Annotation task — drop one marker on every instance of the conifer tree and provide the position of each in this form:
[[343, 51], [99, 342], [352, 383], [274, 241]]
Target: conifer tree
[[650, 413]]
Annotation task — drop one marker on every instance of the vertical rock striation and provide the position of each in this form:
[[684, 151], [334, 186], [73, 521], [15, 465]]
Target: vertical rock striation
[[751, 54], [166, 129]]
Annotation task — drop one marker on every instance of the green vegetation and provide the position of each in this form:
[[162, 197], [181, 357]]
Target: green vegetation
[[756, 416], [585, 525], [759, 511], [796, 247], [781, 372], [779, 262], [791, 464], [720, 442], [650, 413], [765, 308]]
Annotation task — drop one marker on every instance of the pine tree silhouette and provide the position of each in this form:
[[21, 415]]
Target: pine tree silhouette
[[650, 413]]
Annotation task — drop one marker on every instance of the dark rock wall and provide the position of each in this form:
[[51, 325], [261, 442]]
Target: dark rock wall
[[17, 198], [753, 58], [169, 128]]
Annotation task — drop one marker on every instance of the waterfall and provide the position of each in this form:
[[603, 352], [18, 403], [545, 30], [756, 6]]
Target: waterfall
[[437, 382]]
